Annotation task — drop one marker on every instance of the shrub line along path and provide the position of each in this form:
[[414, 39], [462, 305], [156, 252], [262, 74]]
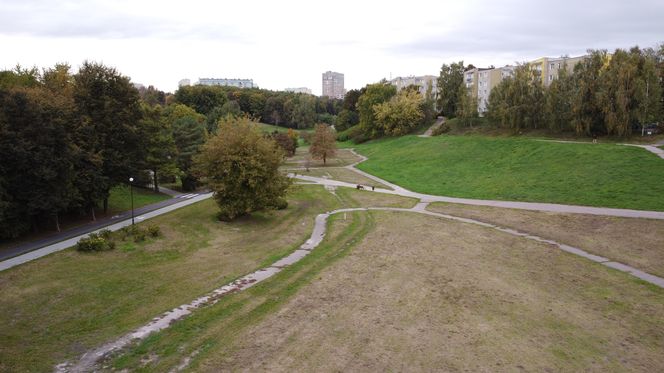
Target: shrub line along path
[[89, 360]]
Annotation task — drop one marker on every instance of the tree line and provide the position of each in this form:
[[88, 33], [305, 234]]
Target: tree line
[[379, 110], [285, 109], [604, 94]]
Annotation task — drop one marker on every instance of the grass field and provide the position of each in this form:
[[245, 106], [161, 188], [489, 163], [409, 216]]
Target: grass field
[[57, 307], [120, 200], [378, 295], [520, 169]]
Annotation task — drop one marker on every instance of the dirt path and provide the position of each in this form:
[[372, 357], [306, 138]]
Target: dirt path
[[439, 122]]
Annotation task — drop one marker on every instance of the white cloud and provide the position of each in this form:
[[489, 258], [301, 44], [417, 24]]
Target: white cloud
[[290, 43]]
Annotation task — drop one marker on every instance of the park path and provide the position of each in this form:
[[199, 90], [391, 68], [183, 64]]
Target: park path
[[653, 148], [439, 122]]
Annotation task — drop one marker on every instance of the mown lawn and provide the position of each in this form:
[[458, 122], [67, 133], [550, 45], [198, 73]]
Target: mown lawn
[[518, 169], [120, 198]]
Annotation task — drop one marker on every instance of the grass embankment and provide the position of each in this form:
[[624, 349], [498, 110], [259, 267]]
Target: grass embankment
[[519, 169], [447, 296], [55, 308]]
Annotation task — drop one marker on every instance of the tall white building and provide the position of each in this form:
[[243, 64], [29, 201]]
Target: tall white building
[[184, 83], [333, 85]]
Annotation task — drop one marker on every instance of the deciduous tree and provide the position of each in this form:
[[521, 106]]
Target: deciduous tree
[[323, 143], [241, 166]]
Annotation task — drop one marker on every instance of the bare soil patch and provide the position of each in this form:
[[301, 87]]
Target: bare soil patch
[[636, 242], [423, 294]]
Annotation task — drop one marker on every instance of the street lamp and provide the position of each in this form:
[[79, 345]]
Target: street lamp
[[131, 193]]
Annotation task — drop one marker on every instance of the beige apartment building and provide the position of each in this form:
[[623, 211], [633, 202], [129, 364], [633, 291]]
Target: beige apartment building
[[422, 82], [480, 81]]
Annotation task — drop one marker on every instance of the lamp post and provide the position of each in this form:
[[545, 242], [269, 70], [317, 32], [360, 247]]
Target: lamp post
[[131, 193]]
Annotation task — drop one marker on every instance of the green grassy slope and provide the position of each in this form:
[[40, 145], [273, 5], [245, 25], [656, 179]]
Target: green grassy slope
[[520, 169]]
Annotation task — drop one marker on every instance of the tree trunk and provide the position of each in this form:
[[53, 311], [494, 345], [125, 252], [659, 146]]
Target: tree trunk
[[57, 222], [156, 185], [324, 158], [105, 205], [94, 217]]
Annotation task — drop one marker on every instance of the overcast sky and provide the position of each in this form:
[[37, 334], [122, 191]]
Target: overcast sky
[[289, 43]]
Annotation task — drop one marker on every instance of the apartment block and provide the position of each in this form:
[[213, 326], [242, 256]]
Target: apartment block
[[333, 85], [422, 82], [240, 83], [549, 68], [299, 90], [480, 81]]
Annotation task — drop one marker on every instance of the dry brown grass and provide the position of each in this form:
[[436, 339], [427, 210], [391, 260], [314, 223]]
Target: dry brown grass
[[342, 174], [426, 294], [343, 157], [637, 242]]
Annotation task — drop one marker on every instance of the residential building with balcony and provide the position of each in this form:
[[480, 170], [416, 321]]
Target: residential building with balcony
[[239, 83]]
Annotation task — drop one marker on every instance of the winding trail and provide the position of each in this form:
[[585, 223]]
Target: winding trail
[[88, 361]]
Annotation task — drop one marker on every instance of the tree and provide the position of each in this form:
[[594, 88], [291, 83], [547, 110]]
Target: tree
[[401, 114], [451, 77], [558, 102], [517, 102], [587, 114], [241, 166], [466, 107], [374, 94], [108, 105], [323, 143], [159, 145], [189, 134], [285, 142]]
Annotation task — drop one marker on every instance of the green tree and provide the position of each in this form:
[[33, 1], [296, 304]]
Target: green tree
[[159, 144], [189, 134], [373, 95], [401, 114], [323, 143], [108, 106], [449, 80], [587, 111], [466, 107], [558, 102], [241, 166]]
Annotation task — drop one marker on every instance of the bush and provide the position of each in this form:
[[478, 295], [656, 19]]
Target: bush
[[139, 235], [94, 242], [154, 231], [105, 234], [354, 134], [443, 128]]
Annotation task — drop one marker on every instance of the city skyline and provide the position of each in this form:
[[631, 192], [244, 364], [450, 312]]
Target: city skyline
[[283, 44]]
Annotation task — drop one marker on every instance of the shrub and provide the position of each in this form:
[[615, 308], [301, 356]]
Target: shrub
[[154, 230], [94, 242], [105, 234], [443, 128], [139, 235]]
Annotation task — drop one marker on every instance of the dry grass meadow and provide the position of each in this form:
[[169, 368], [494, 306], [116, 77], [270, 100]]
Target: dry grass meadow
[[449, 296]]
